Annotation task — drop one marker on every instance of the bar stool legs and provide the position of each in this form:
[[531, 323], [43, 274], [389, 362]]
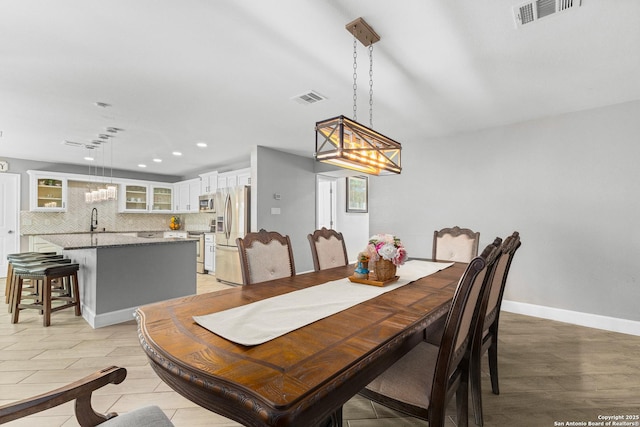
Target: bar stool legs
[[44, 276]]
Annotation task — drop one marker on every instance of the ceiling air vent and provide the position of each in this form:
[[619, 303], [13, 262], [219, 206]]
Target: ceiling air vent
[[73, 144], [308, 98], [537, 9]]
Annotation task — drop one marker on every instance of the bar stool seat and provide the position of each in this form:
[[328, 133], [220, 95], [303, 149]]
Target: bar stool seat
[[22, 256], [44, 275], [27, 263]]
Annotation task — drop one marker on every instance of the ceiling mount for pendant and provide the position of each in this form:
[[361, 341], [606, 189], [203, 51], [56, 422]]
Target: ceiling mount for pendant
[[362, 31]]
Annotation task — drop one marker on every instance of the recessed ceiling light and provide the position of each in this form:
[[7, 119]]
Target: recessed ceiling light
[[177, 153], [90, 159], [141, 165], [157, 160], [201, 144]]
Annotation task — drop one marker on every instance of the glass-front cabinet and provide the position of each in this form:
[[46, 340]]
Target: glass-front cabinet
[[134, 198], [162, 199], [47, 192], [141, 198]]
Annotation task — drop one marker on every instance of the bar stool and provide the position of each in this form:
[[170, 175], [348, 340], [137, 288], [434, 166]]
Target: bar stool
[[19, 257], [43, 276], [26, 262]]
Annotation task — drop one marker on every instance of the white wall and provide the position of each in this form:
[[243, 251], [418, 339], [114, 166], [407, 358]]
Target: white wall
[[569, 184], [354, 226]]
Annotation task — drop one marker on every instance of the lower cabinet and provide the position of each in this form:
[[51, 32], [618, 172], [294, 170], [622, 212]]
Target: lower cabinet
[[37, 244]]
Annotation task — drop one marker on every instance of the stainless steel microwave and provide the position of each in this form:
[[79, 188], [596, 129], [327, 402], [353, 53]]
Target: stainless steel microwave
[[207, 203]]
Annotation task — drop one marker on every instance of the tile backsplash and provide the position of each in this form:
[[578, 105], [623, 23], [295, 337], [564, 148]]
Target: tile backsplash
[[78, 216]]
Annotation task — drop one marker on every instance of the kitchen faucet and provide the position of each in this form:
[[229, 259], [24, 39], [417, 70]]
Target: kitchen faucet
[[94, 220]]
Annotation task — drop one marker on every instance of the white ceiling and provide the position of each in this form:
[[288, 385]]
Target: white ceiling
[[224, 72]]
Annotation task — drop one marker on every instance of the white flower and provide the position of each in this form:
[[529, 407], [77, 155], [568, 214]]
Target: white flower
[[388, 251]]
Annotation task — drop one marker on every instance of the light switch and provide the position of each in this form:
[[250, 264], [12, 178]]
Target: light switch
[[275, 211]]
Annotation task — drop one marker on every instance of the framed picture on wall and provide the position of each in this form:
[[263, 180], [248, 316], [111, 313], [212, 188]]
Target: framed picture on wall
[[357, 194]]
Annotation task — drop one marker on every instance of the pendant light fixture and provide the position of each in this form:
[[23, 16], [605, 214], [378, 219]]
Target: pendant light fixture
[[348, 144], [109, 190]]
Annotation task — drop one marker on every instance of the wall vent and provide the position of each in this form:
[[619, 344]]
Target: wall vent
[[308, 98], [537, 9]]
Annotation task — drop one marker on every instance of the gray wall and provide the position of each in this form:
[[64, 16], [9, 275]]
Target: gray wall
[[294, 179], [568, 183]]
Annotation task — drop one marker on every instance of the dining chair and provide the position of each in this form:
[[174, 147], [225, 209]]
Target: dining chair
[[486, 336], [265, 255], [327, 249], [80, 391], [455, 244], [423, 381]]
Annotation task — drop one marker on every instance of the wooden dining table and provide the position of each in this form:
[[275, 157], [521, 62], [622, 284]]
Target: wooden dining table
[[301, 378]]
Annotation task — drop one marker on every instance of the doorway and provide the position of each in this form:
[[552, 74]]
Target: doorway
[[9, 211], [326, 205]]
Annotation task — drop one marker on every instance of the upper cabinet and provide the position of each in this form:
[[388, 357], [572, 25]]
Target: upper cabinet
[[134, 198], [186, 196], [234, 178], [47, 192], [142, 197], [208, 183], [162, 199], [243, 177]]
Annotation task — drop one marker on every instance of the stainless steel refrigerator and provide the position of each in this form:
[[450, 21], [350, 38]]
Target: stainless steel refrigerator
[[232, 221]]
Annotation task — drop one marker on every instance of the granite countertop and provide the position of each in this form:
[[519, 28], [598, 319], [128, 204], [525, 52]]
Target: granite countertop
[[105, 240]]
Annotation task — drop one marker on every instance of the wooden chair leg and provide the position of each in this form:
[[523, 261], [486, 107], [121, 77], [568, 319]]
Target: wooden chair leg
[[493, 365], [7, 286], [15, 297], [462, 402], [46, 301], [476, 387], [13, 280], [75, 292]]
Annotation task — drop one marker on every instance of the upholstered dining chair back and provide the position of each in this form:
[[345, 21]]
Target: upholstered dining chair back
[[486, 337], [455, 244], [327, 249], [265, 255], [423, 381]]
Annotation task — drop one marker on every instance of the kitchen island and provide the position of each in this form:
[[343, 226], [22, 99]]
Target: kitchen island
[[120, 272]]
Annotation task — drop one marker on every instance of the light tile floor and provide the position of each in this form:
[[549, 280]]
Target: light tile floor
[[549, 371]]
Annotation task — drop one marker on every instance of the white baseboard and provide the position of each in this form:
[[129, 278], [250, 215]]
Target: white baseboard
[[597, 321], [107, 319]]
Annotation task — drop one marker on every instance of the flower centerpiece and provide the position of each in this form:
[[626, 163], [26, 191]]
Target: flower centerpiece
[[386, 252]]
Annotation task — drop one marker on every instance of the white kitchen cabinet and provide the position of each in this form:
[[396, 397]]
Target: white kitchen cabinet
[[162, 198], [176, 234], [234, 178], [142, 197], [47, 192], [134, 198], [243, 177], [38, 244], [208, 183], [186, 196]]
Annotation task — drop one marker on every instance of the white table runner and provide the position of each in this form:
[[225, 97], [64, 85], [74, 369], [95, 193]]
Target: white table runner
[[270, 318]]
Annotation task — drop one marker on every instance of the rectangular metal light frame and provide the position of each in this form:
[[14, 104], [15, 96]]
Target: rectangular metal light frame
[[348, 144]]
